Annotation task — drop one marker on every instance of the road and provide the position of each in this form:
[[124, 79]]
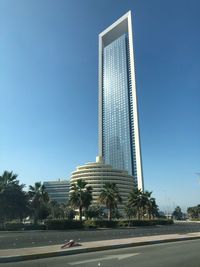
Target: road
[[44, 238], [184, 254]]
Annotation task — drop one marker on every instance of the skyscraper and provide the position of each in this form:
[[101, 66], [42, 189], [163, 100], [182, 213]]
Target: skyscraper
[[119, 137]]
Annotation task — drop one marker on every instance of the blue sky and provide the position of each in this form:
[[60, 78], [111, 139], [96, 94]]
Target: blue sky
[[49, 89]]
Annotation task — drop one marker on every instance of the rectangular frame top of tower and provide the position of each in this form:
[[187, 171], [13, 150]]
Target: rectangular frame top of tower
[[115, 30]]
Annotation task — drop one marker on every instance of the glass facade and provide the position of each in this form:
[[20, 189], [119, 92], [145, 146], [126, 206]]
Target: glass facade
[[119, 133], [117, 114], [58, 190]]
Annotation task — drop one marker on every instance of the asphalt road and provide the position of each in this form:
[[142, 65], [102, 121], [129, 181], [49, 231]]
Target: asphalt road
[[45, 238], [184, 254]]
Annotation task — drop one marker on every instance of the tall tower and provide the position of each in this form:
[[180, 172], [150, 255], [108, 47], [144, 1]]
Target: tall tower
[[119, 137]]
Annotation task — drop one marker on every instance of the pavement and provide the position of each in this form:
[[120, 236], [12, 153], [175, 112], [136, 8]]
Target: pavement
[[22, 254]]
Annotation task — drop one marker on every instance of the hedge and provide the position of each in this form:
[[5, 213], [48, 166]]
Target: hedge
[[63, 224], [34, 227], [89, 224], [13, 226], [100, 224], [125, 223]]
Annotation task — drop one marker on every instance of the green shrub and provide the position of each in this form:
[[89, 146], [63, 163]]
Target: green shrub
[[13, 226], [63, 224], [34, 226], [126, 223], [101, 224], [164, 221], [123, 223], [90, 224], [107, 224], [2, 228], [60, 224]]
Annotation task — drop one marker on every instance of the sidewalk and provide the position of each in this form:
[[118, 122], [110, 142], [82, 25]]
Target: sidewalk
[[21, 254]]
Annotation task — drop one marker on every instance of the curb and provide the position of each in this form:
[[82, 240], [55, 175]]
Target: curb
[[17, 258]]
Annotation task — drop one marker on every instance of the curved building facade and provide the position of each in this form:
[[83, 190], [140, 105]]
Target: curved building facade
[[96, 174]]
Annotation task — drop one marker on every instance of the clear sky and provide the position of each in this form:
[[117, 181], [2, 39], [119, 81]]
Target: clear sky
[[49, 89]]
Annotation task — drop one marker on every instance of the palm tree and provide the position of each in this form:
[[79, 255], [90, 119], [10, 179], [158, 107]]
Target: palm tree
[[152, 208], [110, 197], [13, 200], [81, 196], [135, 202], [130, 211], [142, 203], [38, 200], [7, 179], [146, 203]]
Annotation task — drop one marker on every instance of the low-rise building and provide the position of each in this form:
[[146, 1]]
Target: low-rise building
[[96, 174], [58, 190]]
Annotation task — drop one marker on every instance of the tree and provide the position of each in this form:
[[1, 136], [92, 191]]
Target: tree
[[69, 212], [94, 211], [194, 212], [141, 204], [81, 196], [61, 210], [115, 214], [130, 211], [177, 213], [110, 197], [134, 203], [38, 201], [56, 209], [13, 200], [7, 180], [152, 208]]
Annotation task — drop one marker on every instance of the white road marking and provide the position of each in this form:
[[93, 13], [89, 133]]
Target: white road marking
[[109, 257]]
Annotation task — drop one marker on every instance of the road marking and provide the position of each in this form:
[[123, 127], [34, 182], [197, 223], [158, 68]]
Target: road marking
[[109, 257]]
